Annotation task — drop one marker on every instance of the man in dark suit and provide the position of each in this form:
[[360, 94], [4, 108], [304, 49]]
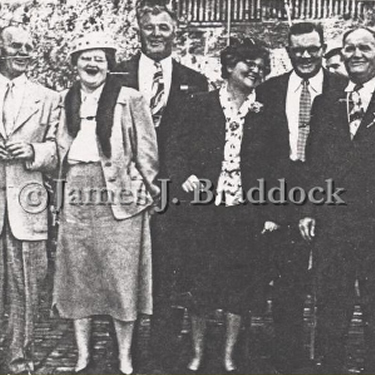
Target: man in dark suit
[[342, 149], [167, 85], [287, 103]]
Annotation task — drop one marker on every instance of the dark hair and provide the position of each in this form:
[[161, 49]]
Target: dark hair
[[347, 33], [110, 55], [248, 49], [306, 28], [154, 7], [333, 52]]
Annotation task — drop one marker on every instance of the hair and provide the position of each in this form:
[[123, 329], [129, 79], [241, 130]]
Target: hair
[[110, 55], [347, 33], [333, 52], [247, 49], [306, 28], [154, 7]]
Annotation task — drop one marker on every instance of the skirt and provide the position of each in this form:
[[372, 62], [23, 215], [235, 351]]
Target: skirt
[[103, 265]]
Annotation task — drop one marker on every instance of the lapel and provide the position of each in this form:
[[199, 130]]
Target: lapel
[[128, 72], [367, 126], [29, 105]]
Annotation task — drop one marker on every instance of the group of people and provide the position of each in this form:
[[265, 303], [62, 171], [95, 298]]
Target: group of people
[[165, 189]]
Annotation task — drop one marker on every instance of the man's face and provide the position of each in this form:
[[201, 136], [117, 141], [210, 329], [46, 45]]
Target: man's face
[[15, 49], [335, 65], [157, 35], [359, 55], [306, 53]]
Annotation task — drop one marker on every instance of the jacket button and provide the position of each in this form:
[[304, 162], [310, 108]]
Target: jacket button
[[112, 179], [107, 164]]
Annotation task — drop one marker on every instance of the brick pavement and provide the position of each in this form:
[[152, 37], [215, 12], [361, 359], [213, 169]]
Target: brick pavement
[[55, 350]]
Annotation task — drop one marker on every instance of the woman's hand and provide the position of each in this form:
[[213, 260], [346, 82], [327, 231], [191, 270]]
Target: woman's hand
[[191, 184], [270, 226]]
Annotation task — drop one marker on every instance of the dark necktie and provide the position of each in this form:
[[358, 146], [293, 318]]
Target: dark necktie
[[303, 120], [355, 109], [9, 108], [157, 102]]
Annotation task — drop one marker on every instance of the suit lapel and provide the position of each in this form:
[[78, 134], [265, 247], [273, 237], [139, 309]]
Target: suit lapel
[[29, 105]]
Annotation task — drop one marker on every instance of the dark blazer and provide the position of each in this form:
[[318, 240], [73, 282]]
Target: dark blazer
[[185, 81], [203, 147], [272, 93]]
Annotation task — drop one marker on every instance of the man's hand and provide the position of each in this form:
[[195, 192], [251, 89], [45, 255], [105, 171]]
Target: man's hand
[[191, 184], [20, 150], [270, 226], [307, 228], [4, 155]]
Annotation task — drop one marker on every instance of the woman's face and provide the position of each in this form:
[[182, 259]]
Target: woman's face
[[92, 68], [246, 75]]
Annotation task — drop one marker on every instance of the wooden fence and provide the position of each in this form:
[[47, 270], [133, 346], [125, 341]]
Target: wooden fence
[[209, 12]]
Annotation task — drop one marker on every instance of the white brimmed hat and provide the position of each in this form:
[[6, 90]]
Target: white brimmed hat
[[93, 40]]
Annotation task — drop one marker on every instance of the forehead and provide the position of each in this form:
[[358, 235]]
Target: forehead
[[308, 39], [93, 53], [360, 36], [334, 58], [157, 19], [14, 35]]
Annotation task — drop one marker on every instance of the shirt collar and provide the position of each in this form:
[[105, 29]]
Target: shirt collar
[[18, 81], [316, 82], [148, 63], [368, 86]]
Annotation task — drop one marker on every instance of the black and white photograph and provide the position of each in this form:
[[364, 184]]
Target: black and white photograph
[[187, 187]]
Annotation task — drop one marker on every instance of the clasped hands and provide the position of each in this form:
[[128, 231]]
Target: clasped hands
[[18, 150]]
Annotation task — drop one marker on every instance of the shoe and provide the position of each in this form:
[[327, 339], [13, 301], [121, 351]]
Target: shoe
[[88, 370]]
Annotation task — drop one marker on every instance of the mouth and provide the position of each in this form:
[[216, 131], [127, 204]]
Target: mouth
[[156, 43], [20, 60], [91, 71]]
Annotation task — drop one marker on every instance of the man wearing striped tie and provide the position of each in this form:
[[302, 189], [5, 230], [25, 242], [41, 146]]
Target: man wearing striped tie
[[287, 103], [342, 149], [166, 85]]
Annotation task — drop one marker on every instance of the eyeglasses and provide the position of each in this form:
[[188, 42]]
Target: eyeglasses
[[251, 64], [312, 51]]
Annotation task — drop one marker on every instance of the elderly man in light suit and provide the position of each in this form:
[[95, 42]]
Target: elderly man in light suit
[[29, 118]]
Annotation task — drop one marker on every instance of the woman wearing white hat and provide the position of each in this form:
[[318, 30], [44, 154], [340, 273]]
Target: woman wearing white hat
[[108, 154]]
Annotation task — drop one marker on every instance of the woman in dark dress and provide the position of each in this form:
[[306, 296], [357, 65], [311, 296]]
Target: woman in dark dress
[[225, 145]]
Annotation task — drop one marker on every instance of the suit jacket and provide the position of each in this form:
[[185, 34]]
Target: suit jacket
[[272, 93], [185, 81], [22, 193], [131, 170], [349, 163], [204, 150]]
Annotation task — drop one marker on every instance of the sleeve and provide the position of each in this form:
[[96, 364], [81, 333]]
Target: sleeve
[[45, 152], [145, 143]]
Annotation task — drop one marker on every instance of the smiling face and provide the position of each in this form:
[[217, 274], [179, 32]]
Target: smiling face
[[359, 55], [246, 75], [92, 67], [157, 32], [15, 48], [306, 54]]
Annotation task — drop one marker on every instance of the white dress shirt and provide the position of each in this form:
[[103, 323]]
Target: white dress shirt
[[146, 72], [18, 93], [365, 93], [84, 148], [293, 95]]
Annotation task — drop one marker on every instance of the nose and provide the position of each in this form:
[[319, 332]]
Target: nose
[[156, 31], [23, 50], [306, 54], [357, 52]]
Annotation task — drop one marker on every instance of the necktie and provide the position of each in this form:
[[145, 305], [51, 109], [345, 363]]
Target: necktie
[[157, 102], [9, 108], [355, 109], [303, 120]]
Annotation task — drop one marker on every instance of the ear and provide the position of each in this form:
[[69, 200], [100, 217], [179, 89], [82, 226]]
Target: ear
[[324, 48]]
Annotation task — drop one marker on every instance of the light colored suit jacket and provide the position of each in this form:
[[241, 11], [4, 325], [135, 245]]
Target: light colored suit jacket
[[131, 170], [23, 196]]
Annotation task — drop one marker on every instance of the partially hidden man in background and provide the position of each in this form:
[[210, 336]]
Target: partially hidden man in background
[[166, 85], [29, 118]]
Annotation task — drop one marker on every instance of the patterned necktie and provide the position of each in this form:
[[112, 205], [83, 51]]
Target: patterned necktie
[[303, 120], [157, 102], [355, 109], [9, 108]]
